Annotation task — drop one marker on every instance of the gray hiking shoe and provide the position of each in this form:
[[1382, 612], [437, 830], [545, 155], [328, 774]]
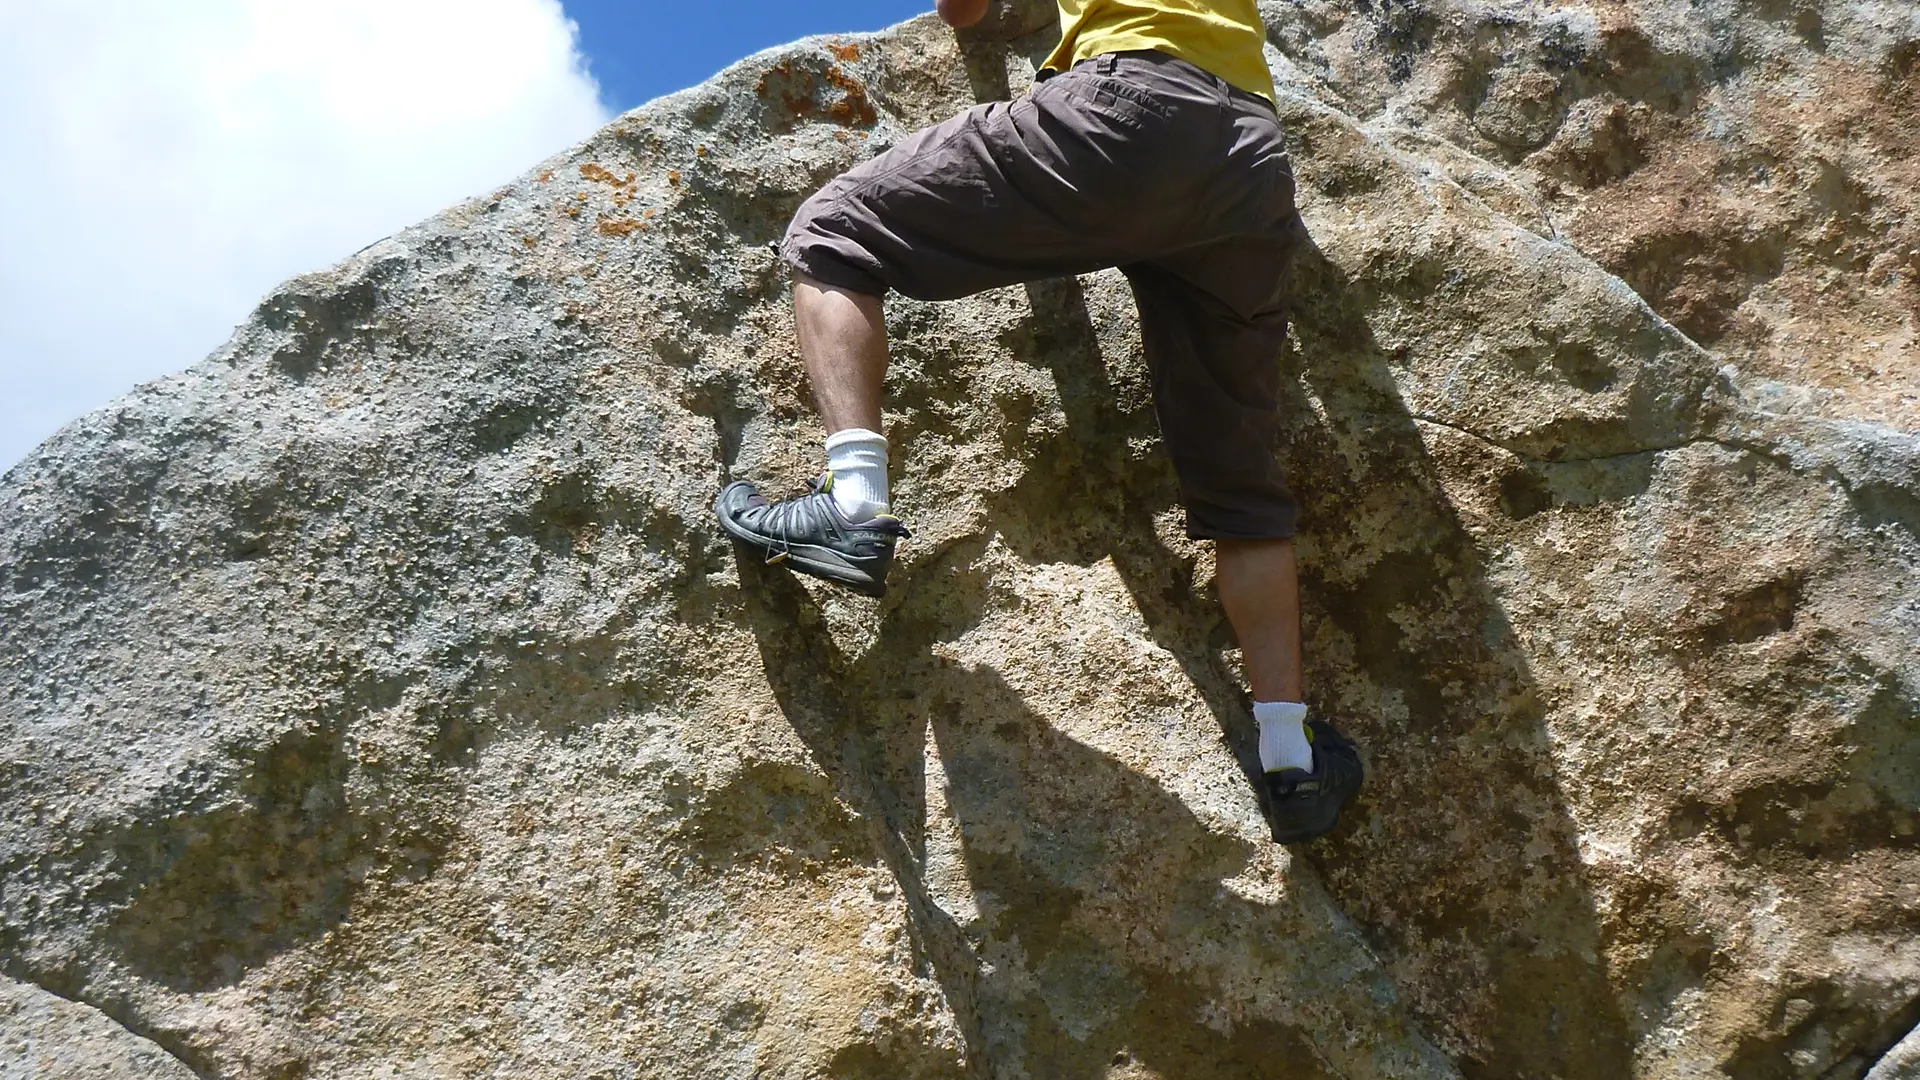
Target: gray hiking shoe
[[1302, 805], [809, 534]]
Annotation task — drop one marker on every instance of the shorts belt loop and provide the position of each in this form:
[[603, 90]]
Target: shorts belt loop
[[1109, 62]]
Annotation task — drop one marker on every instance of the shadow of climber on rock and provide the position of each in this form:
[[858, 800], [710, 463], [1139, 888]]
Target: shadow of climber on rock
[[1462, 867]]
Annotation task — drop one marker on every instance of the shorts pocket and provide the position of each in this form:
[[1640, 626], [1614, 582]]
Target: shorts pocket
[[1112, 98]]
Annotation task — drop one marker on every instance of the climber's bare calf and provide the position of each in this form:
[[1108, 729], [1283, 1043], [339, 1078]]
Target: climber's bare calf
[[843, 340], [1260, 589], [1133, 159]]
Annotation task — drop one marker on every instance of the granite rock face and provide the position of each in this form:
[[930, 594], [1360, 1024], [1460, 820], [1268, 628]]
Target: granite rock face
[[44, 1036], [378, 701]]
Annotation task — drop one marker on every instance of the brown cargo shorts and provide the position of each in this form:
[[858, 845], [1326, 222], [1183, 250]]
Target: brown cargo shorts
[[1137, 160]]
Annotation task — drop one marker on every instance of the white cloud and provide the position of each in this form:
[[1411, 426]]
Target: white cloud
[[165, 163]]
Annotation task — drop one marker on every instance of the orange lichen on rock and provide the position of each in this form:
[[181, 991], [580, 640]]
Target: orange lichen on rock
[[619, 226], [853, 108], [779, 82], [797, 92], [844, 50], [623, 187]]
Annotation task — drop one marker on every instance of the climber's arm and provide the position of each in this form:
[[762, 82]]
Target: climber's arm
[[961, 13]]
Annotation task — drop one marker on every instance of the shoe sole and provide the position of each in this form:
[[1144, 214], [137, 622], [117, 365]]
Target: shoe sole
[[812, 559], [1316, 830]]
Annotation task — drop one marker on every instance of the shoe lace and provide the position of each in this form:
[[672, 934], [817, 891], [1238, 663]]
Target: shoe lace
[[781, 515]]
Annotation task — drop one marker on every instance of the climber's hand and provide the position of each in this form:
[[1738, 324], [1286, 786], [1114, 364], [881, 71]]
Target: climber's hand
[[961, 13]]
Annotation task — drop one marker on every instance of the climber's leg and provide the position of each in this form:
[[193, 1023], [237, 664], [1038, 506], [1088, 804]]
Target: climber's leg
[[1260, 590], [843, 341], [840, 531], [1095, 168], [1213, 324]]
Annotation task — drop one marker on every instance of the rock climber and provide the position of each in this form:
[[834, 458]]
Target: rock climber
[[1149, 142]]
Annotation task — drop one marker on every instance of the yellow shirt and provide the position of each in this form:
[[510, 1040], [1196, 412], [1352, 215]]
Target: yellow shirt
[[1222, 36]]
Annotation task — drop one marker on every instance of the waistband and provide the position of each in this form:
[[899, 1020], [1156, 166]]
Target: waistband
[[1115, 63]]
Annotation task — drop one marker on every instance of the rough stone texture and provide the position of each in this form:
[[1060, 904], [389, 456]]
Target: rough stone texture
[[43, 1037], [378, 701]]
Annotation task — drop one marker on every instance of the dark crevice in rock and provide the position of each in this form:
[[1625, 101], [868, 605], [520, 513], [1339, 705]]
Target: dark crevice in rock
[[1878, 503], [1564, 459], [126, 1018], [1904, 1025], [1757, 612]]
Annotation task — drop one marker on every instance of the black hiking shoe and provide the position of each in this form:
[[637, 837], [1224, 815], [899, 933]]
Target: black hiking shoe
[[1302, 805], [809, 534]]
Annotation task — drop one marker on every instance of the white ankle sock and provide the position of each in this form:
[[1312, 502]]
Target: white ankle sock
[[858, 460], [1283, 735]]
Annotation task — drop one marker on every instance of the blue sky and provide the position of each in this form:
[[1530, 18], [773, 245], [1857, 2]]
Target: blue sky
[[638, 50], [168, 164]]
